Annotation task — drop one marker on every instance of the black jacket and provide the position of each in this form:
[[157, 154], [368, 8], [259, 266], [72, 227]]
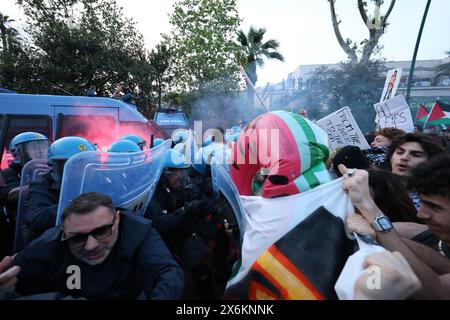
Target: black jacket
[[139, 263], [11, 177], [42, 206], [167, 213]]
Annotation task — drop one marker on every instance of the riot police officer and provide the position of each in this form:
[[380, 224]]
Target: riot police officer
[[44, 192], [136, 139], [124, 146], [24, 147], [175, 210]]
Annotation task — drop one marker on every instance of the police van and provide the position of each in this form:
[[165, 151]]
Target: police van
[[100, 120], [170, 119]]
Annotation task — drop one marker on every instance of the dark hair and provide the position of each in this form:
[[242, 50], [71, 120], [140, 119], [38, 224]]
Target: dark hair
[[351, 157], [370, 136], [87, 202], [391, 196], [429, 145], [432, 177], [440, 140], [390, 133]]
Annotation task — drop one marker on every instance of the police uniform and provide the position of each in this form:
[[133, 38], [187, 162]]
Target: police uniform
[[178, 227], [138, 263], [42, 206], [11, 180]]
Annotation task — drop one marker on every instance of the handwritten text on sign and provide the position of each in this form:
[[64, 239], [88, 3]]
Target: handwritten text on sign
[[394, 113], [343, 130]]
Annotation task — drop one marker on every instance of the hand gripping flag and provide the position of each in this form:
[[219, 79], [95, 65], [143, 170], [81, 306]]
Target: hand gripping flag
[[293, 247]]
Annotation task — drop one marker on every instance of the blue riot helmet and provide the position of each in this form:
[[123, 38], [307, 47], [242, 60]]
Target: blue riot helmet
[[136, 139], [28, 146], [175, 168], [208, 141], [63, 149], [175, 160], [180, 136], [124, 146]]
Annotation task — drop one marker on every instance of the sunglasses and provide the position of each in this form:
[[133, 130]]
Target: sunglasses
[[78, 240]]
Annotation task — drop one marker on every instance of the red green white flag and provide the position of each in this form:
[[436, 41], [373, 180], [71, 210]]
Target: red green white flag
[[422, 115], [439, 114]]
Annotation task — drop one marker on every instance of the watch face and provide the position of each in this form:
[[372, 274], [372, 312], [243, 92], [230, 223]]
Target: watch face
[[384, 223]]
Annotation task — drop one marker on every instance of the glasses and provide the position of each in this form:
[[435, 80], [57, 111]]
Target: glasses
[[78, 241]]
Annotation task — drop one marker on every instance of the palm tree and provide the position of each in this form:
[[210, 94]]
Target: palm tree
[[5, 31], [255, 49], [442, 70]]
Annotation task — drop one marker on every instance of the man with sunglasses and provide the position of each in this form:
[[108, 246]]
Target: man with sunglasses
[[118, 256]]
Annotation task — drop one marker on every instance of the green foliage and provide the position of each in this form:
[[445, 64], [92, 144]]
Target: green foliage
[[205, 55], [16, 67], [74, 45], [255, 50], [160, 60], [83, 43], [442, 70]]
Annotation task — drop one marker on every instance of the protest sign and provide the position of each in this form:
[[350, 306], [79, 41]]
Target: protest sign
[[390, 86], [394, 113], [342, 130]]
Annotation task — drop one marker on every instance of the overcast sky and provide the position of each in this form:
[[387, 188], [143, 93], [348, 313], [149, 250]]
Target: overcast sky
[[303, 27]]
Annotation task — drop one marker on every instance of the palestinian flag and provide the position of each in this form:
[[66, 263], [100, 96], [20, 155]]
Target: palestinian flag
[[294, 248], [439, 114], [422, 114]]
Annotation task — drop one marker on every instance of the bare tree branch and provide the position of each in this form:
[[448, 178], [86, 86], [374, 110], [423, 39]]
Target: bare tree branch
[[388, 13], [362, 10], [344, 45]]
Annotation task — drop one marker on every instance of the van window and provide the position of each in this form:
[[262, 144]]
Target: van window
[[100, 130], [144, 130], [24, 123], [171, 119]]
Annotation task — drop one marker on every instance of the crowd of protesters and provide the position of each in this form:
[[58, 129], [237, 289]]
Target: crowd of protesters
[[186, 243]]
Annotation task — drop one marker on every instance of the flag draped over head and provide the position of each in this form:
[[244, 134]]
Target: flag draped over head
[[289, 149], [294, 244], [422, 114], [439, 114]]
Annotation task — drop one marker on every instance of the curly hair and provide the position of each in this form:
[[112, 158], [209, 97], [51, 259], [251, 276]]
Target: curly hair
[[432, 177], [390, 133], [429, 144]]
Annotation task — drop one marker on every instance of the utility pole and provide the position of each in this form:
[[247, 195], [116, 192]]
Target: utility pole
[[416, 49]]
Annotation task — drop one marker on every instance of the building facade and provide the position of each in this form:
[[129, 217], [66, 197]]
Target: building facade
[[427, 85]]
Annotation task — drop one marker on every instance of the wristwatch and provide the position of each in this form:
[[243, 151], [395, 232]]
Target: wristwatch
[[382, 224]]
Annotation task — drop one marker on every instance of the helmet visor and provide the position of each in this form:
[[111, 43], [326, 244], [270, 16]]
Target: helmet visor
[[32, 150], [56, 172]]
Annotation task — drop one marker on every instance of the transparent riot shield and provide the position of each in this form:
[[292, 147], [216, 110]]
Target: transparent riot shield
[[129, 179], [31, 171], [222, 183]]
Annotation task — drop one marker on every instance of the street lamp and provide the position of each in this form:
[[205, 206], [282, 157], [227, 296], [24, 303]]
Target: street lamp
[[416, 49]]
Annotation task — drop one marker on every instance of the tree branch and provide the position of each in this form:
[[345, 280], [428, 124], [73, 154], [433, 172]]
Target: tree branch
[[344, 45], [388, 13], [362, 11], [375, 34]]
